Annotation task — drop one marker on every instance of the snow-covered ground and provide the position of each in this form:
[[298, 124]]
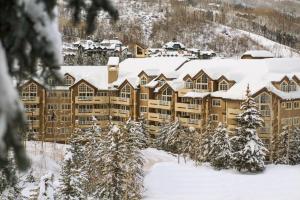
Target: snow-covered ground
[[165, 179]]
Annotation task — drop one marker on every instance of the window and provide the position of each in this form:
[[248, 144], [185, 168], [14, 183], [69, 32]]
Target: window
[[102, 94], [284, 87], [85, 92], [292, 86], [85, 108], [65, 118], [202, 83], [167, 94], [51, 118], [288, 105], [52, 106], [66, 106], [100, 106], [29, 92], [296, 105], [143, 96], [223, 86], [296, 121], [125, 92], [189, 84], [65, 94], [51, 82], [216, 103], [68, 81], [143, 81], [214, 117], [287, 121], [264, 98], [265, 110], [143, 109], [52, 94]]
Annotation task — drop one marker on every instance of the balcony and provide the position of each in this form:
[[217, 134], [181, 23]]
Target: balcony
[[30, 99], [164, 117], [159, 104], [32, 112], [188, 122], [120, 100], [83, 111], [33, 123], [84, 99], [101, 99], [153, 129], [185, 107], [154, 117]]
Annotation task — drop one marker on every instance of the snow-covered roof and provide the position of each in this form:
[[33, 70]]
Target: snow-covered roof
[[170, 45], [95, 75], [131, 67], [113, 61], [259, 54], [258, 74]]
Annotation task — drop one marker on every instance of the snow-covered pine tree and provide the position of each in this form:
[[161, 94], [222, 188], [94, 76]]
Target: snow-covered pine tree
[[9, 183], [121, 171], [144, 133], [205, 144], [161, 140], [138, 133], [282, 154], [189, 138], [23, 24], [220, 152], [294, 146], [73, 177], [248, 149], [47, 191]]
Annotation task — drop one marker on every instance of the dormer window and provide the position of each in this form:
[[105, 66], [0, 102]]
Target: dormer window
[[202, 83], [143, 81], [125, 92], [284, 87], [292, 86], [223, 86], [68, 81], [189, 84]]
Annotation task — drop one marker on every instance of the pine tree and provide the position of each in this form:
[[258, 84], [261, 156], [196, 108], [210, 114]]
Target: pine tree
[[220, 152], [282, 156], [138, 133], [9, 182], [161, 140], [121, 171], [248, 149], [47, 191], [189, 138], [73, 176], [30, 46], [205, 145], [294, 147]]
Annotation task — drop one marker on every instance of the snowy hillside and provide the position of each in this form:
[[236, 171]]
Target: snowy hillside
[[167, 180]]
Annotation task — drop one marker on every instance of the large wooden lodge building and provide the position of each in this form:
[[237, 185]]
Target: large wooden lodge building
[[163, 89]]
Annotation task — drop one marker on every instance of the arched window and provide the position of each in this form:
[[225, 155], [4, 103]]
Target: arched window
[[292, 86], [202, 83], [85, 92], [68, 80], [125, 91], [167, 94], [223, 86], [284, 87], [30, 91], [143, 80]]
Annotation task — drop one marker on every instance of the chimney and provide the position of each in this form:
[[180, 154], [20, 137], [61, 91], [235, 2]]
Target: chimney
[[113, 69]]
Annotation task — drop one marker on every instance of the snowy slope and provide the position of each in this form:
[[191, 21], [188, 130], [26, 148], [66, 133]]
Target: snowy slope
[[165, 179]]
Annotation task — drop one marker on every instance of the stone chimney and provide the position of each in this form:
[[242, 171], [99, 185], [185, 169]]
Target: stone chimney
[[113, 69]]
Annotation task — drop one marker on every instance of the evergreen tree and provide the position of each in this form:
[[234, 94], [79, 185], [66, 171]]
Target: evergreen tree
[[161, 140], [121, 171], [189, 138], [248, 149], [138, 133], [73, 177], [282, 156], [9, 182], [47, 191], [220, 151], [294, 147], [205, 145]]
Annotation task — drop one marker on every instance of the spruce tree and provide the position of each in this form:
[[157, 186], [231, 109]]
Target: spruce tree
[[138, 133], [161, 140], [248, 149], [283, 149], [220, 152], [121, 171], [294, 147], [73, 176], [205, 145]]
